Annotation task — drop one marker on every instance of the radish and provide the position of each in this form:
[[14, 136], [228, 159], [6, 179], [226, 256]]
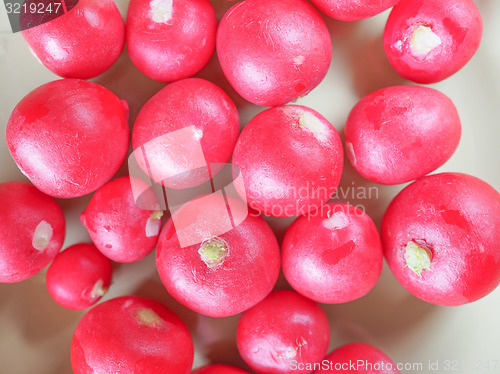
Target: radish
[[234, 264], [183, 132], [119, 228], [79, 276], [131, 334], [282, 331], [32, 230], [427, 41], [398, 134], [358, 358], [69, 136], [353, 10], [219, 369], [440, 237], [82, 43], [333, 255], [291, 161], [273, 52], [169, 40]]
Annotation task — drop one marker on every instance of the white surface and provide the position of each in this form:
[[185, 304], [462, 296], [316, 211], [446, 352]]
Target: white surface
[[35, 332]]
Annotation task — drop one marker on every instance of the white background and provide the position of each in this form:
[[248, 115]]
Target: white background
[[35, 332]]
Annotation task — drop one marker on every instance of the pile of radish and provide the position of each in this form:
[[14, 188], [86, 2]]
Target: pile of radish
[[70, 137]]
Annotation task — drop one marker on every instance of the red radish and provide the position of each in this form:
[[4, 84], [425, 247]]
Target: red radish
[[273, 51], [398, 134], [207, 121], [219, 369], [170, 40], [282, 331], [320, 251], [131, 334], [231, 270], [79, 276], [121, 230], [440, 237], [32, 230], [353, 10], [69, 136], [83, 43], [427, 41], [358, 358], [291, 161]]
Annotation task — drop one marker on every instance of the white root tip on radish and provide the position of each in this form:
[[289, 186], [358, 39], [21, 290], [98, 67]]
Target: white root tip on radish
[[42, 236]]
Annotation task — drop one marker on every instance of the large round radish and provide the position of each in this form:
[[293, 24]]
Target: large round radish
[[440, 237], [358, 358], [131, 334], [186, 126], [119, 228], [170, 40], [69, 136], [291, 161], [219, 369], [229, 269], [398, 134], [282, 332], [79, 276], [83, 43], [32, 229], [427, 41], [273, 51], [353, 10], [333, 255]]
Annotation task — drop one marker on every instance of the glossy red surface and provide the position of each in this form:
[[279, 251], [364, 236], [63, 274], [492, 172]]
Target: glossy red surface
[[131, 334], [32, 230], [291, 161], [190, 103], [456, 218], [353, 10], [69, 136], [82, 43], [398, 134], [170, 40], [273, 52], [358, 358], [457, 24], [243, 277], [79, 276], [121, 230], [333, 255], [282, 331]]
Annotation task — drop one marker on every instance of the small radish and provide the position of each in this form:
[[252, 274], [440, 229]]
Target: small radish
[[291, 161], [32, 230], [427, 41], [131, 334], [353, 10], [440, 236], [121, 230], [186, 126], [282, 331], [320, 251], [69, 136], [230, 269], [219, 369], [79, 276], [169, 40], [398, 134], [357, 358], [82, 43], [273, 52]]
